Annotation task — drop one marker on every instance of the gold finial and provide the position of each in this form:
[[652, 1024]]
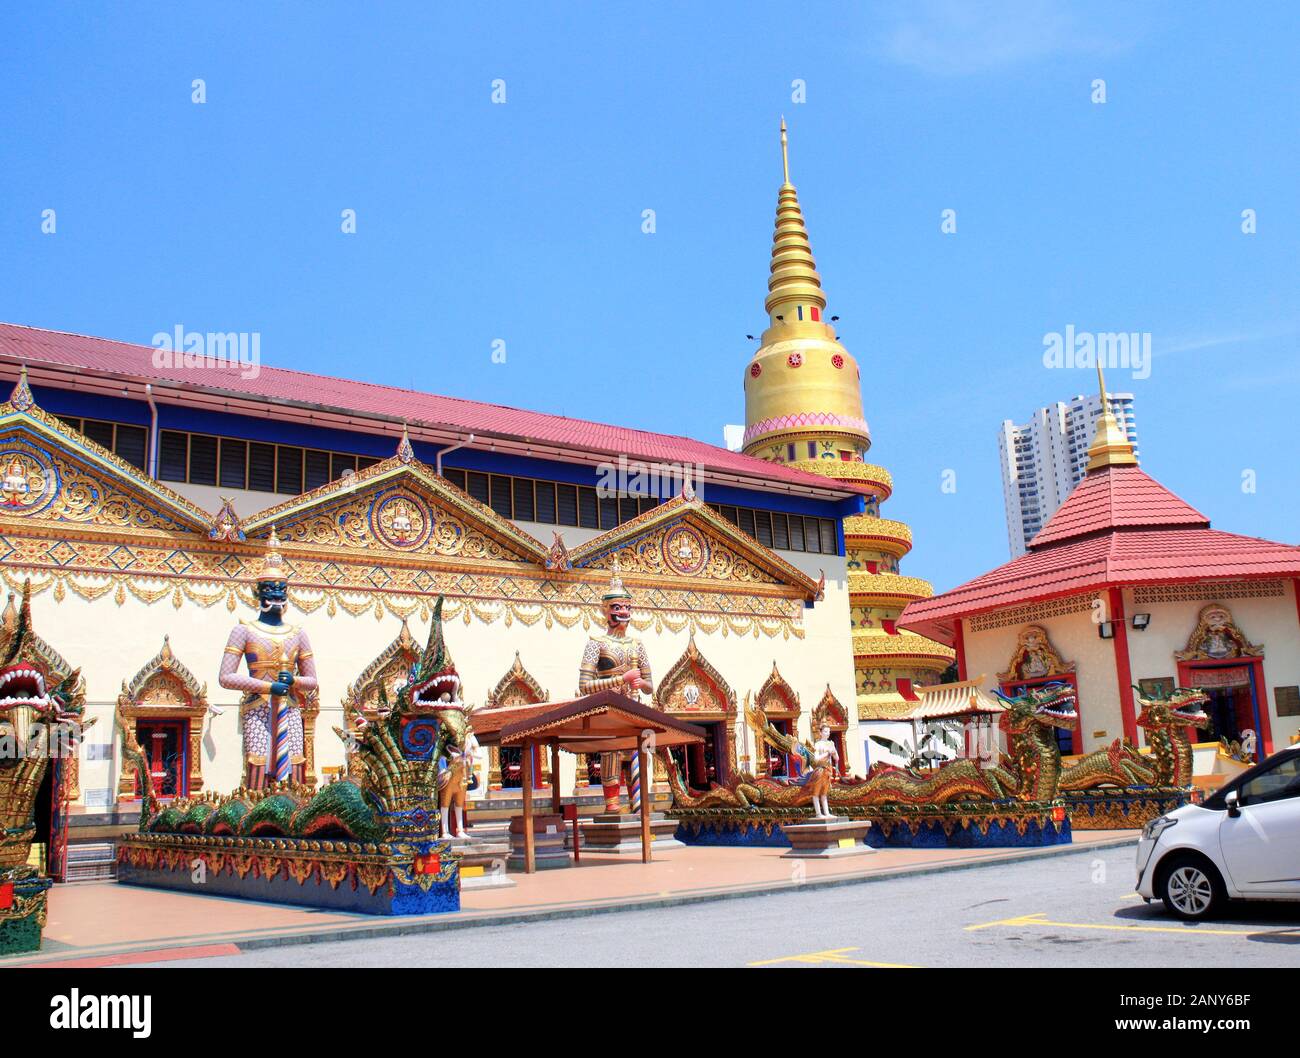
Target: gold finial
[[404, 450], [1110, 445], [794, 280], [21, 398], [785, 151]]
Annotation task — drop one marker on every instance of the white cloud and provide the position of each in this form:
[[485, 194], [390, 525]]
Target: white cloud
[[956, 37]]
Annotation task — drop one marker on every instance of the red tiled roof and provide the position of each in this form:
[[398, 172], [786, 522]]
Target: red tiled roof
[[34, 346], [1115, 497], [1118, 527]]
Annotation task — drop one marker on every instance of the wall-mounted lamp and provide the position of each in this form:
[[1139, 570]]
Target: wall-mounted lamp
[[1106, 629], [1140, 621]]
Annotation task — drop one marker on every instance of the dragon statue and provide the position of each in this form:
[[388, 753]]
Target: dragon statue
[[1027, 773], [40, 728], [1166, 720], [383, 815]]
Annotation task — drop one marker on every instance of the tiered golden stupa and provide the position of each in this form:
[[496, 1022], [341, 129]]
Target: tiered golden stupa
[[803, 406]]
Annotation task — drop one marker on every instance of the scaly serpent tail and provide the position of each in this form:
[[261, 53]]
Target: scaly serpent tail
[[134, 758]]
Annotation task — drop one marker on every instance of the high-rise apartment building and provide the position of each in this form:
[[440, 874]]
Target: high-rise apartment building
[[1043, 459]]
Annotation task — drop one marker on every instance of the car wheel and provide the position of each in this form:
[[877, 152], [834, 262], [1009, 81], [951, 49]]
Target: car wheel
[[1191, 888]]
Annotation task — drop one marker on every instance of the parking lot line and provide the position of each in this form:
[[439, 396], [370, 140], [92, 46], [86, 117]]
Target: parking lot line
[[1039, 918], [833, 956]]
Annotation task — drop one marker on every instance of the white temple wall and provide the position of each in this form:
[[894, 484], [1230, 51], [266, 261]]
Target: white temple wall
[[1074, 635], [111, 643], [1270, 620]]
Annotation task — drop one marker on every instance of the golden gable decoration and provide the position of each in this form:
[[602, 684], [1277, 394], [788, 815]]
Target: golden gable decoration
[[1034, 657], [164, 689], [829, 713], [777, 698], [684, 538], [1216, 636], [80, 522], [398, 507], [52, 474]]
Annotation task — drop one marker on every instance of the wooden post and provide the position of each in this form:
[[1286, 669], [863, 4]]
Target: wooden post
[[645, 800], [555, 776], [530, 851]]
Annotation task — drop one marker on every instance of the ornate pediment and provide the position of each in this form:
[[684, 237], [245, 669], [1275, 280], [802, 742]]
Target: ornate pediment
[[776, 697], [829, 713], [516, 687], [397, 506], [693, 685], [387, 672], [51, 473], [1035, 657], [1216, 636], [684, 538], [163, 686]]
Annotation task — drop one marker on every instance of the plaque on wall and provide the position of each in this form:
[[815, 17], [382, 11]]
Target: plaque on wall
[[1157, 687], [1288, 700]]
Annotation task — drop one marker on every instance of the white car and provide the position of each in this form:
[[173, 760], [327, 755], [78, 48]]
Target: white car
[[1242, 843]]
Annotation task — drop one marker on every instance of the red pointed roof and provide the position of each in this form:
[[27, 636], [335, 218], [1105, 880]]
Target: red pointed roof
[[1114, 497], [122, 360], [1119, 527]]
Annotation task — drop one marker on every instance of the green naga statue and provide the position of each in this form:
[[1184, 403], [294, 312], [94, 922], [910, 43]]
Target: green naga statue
[[40, 729], [392, 771]]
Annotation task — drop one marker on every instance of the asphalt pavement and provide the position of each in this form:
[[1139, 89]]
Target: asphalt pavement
[[1077, 909]]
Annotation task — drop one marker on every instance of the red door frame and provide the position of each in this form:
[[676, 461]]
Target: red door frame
[[1187, 678], [182, 726]]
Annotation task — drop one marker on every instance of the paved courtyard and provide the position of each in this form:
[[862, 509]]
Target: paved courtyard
[[104, 923], [1075, 910]]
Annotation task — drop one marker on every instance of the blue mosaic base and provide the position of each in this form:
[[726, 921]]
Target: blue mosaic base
[[1131, 808], [393, 898], [998, 836], [732, 834]]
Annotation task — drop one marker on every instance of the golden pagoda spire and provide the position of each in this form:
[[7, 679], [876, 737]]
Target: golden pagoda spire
[[785, 151], [794, 284], [1110, 445]]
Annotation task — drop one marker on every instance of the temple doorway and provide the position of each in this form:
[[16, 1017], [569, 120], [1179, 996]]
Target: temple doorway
[[165, 743], [512, 769], [693, 690], [1234, 705], [698, 763]]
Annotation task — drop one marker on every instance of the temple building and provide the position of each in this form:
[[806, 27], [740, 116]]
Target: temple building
[[144, 488], [1128, 585], [803, 410]]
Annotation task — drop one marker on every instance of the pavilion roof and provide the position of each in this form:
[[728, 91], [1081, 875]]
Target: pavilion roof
[[944, 701], [597, 723]]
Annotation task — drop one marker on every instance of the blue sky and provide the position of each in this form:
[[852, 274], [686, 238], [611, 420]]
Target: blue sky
[[522, 222]]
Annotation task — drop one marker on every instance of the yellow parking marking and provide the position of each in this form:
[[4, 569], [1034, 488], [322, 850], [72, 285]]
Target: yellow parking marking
[[833, 956], [1039, 919]]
